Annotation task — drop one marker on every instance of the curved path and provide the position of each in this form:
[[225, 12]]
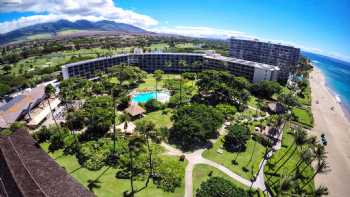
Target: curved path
[[196, 157]]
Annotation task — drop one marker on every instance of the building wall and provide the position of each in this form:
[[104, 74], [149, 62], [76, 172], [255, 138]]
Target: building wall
[[168, 62], [285, 57]]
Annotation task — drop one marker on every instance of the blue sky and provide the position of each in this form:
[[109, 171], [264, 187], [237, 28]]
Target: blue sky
[[316, 25]]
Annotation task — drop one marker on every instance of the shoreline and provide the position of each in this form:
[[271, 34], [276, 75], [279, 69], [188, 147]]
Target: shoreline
[[331, 120], [345, 109]]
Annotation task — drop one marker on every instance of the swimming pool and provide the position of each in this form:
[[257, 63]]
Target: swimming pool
[[143, 97]]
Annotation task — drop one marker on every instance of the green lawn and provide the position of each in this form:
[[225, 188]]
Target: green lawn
[[242, 159], [289, 165], [160, 118], [150, 82], [159, 46], [201, 172], [303, 116], [109, 185]]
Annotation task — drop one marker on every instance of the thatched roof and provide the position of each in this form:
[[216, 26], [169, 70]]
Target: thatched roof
[[135, 110], [276, 108], [26, 170], [127, 128]]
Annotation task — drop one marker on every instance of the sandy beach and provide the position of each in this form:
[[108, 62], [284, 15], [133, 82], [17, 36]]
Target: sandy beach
[[336, 127]]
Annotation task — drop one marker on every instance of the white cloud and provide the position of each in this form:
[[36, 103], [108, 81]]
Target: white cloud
[[202, 32], [71, 10]]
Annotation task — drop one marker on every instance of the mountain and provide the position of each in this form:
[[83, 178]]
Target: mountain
[[50, 29]]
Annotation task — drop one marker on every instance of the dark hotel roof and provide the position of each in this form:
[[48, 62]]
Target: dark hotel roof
[[27, 171]]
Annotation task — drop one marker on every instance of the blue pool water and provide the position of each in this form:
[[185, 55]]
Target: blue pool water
[[143, 97]]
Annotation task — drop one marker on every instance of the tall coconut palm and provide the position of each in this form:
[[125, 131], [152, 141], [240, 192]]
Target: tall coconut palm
[[321, 167], [114, 116], [49, 92], [146, 127], [300, 139], [321, 191], [134, 146], [319, 153], [285, 185], [306, 157], [183, 64], [158, 74]]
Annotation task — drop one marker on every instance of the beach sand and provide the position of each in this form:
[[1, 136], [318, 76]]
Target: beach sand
[[336, 127]]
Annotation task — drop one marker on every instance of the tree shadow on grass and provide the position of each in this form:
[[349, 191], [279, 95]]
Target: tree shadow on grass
[[75, 170], [96, 183]]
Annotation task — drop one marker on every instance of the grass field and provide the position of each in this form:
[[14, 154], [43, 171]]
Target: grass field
[[109, 185], [287, 142], [159, 118], [303, 116], [201, 172], [150, 82], [243, 158], [39, 36]]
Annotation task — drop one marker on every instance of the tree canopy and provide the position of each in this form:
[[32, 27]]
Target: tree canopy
[[236, 138], [219, 187], [222, 87], [195, 124], [266, 89]]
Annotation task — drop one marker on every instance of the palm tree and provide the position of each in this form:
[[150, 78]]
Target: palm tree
[[146, 127], [306, 157], [50, 91], [134, 145], [321, 191], [285, 186], [182, 63], [114, 116], [158, 76], [93, 184], [319, 153], [321, 167], [300, 139]]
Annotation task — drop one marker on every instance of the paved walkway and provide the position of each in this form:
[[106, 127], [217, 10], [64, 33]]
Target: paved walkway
[[196, 157]]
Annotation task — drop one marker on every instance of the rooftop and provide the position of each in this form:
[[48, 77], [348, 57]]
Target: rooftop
[[262, 41], [12, 110], [135, 110], [26, 170], [242, 62]]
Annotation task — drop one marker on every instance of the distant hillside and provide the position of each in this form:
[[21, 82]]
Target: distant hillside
[[47, 30]]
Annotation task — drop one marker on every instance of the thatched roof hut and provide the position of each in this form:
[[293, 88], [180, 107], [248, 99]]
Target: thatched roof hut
[[135, 110]]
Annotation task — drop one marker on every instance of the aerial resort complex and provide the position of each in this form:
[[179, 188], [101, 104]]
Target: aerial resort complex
[[108, 109]]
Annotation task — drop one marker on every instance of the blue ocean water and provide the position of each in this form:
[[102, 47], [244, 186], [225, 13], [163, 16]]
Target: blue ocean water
[[337, 74]]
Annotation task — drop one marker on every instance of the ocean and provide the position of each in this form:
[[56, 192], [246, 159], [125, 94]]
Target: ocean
[[337, 74]]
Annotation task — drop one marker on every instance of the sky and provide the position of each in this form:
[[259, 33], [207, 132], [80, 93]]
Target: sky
[[320, 26]]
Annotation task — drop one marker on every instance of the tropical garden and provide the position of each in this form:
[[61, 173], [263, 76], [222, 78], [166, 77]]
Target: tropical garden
[[225, 116]]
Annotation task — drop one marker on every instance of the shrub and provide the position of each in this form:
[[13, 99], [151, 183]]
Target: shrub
[[6, 132], [190, 76], [219, 187], [228, 110], [43, 135], [124, 103], [56, 142], [71, 144], [153, 105], [262, 139], [92, 155], [168, 175]]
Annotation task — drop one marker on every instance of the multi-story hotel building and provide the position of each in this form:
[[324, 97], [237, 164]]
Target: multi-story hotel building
[[174, 63], [284, 56]]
